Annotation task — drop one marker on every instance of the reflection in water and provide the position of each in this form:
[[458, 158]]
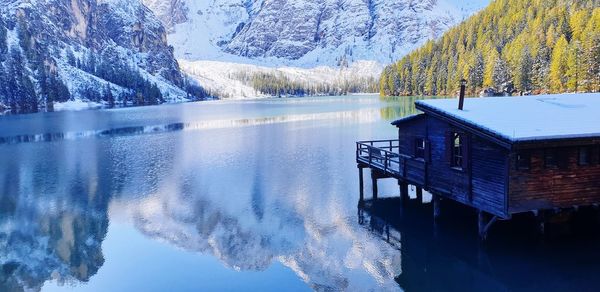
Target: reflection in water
[[278, 190], [447, 256], [361, 115], [398, 107], [50, 230], [249, 192]]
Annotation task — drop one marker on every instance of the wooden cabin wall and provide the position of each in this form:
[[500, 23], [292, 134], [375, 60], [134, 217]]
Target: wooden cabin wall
[[409, 131], [489, 165], [548, 188], [482, 184]]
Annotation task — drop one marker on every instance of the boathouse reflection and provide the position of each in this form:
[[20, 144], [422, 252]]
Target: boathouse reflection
[[447, 256]]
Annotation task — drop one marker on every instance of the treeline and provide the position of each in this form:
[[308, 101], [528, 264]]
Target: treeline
[[140, 90], [278, 85], [538, 46], [28, 77]]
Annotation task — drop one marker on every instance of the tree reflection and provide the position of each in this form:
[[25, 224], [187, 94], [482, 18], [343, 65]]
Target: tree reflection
[[400, 106]]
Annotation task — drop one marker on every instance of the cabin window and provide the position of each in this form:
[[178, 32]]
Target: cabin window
[[556, 158], [551, 158], [420, 148], [523, 161], [585, 156], [457, 150]]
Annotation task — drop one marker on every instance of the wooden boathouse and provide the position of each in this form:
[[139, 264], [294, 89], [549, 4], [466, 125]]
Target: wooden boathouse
[[499, 155]]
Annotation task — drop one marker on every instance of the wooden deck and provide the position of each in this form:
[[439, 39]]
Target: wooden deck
[[384, 159]]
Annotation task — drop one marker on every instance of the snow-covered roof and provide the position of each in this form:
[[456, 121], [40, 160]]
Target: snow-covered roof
[[407, 119], [527, 118]]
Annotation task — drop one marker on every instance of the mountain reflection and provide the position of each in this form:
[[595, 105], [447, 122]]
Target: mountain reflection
[[49, 231], [248, 196], [367, 115]]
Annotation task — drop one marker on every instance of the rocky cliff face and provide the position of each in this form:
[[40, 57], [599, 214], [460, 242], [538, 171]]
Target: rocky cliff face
[[76, 39], [170, 12], [306, 32]]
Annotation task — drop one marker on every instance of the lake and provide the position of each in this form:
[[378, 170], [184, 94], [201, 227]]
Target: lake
[[256, 195]]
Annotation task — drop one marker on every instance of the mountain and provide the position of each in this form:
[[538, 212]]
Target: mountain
[[305, 33], [99, 50], [348, 39], [512, 45]]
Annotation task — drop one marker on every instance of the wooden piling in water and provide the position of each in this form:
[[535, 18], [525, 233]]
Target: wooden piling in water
[[361, 185], [420, 194], [404, 197], [374, 182], [436, 200]]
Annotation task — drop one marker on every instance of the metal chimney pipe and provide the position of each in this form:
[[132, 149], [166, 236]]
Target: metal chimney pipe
[[461, 98]]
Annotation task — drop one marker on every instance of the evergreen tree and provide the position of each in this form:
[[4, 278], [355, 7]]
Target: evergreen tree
[[501, 75], [108, 95], [541, 69], [558, 65], [592, 63], [475, 72], [575, 71], [28, 101], [71, 57], [14, 88], [523, 78], [3, 80], [3, 45]]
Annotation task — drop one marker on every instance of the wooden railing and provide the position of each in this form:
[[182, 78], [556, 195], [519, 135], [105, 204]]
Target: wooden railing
[[384, 155]]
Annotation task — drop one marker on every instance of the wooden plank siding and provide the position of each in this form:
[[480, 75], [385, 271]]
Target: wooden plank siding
[[481, 185], [541, 187], [489, 169]]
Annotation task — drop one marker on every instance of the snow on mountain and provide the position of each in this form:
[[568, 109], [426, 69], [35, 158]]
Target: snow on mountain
[[300, 34], [220, 77], [76, 40], [305, 33]]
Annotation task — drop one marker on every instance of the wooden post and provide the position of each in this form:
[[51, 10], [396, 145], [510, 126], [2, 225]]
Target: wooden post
[[419, 195], [361, 184], [436, 206], [485, 222], [374, 181], [403, 192], [481, 223]]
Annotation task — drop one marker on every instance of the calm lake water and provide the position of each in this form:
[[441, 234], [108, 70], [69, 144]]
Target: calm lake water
[[252, 196]]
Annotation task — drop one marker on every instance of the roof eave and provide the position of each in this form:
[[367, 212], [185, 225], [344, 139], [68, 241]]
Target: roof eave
[[465, 125], [407, 119]]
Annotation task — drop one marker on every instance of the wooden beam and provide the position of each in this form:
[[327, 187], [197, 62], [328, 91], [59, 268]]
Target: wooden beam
[[437, 202], [404, 198], [485, 222], [361, 184], [374, 182]]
